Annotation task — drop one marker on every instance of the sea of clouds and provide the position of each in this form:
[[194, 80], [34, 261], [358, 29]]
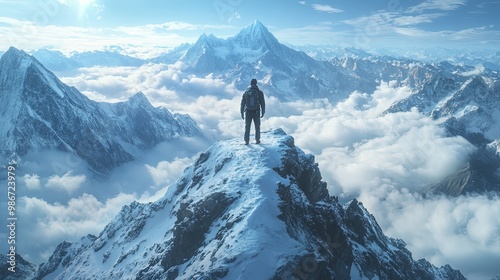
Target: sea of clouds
[[384, 160]]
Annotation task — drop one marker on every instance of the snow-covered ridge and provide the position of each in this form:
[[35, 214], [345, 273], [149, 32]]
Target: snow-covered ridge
[[243, 212]]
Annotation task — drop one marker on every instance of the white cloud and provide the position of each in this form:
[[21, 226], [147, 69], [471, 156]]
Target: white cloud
[[67, 182], [386, 21], [462, 232], [32, 181], [49, 224], [443, 5], [162, 83], [165, 172], [414, 20], [326, 8], [411, 27], [360, 148]]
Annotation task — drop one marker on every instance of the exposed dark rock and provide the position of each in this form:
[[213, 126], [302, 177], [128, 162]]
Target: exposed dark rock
[[54, 261], [191, 226], [15, 268]]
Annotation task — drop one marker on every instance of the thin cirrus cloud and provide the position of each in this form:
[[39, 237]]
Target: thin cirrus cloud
[[444, 5], [326, 8], [392, 19], [418, 19], [322, 7], [418, 25]]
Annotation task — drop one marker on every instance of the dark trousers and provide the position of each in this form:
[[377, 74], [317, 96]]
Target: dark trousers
[[255, 116]]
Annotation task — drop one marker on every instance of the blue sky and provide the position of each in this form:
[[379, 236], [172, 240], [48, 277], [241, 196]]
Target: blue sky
[[93, 24]]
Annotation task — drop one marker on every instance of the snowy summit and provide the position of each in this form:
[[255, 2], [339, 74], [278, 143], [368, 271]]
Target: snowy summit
[[243, 212]]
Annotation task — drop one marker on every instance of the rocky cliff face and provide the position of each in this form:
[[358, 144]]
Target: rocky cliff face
[[257, 212]]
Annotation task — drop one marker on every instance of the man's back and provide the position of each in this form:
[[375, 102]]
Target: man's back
[[253, 107]]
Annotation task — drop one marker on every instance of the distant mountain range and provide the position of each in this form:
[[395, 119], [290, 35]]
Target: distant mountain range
[[42, 113], [284, 72], [56, 61]]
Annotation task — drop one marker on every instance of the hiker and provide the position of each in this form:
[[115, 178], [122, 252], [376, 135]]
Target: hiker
[[252, 104]]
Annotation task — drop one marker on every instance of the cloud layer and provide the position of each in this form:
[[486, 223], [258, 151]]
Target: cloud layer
[[384, 160]]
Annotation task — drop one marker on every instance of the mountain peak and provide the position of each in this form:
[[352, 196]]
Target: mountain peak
[[15, 59], [18, 68], [16, 52], [255, 36], [139, 99], [207, 41], [14, 66], [257, 27], [243, 211]]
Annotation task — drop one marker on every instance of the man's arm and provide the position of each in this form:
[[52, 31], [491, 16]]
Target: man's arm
[[242, 106], [262, 102]]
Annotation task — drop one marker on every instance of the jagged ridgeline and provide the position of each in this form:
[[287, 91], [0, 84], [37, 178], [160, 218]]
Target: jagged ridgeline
[[243, 212]]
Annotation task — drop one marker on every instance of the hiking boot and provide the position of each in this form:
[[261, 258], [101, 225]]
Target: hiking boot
[[246, 142], [257, 141]]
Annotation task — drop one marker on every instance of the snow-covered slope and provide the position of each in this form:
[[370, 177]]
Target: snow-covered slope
[[243, 212], [39, 112]]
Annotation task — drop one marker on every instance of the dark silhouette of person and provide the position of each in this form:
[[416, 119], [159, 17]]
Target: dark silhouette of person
[[252, 104]]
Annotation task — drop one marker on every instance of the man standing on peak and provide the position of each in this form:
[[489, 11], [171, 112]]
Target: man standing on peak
[[252, 103]]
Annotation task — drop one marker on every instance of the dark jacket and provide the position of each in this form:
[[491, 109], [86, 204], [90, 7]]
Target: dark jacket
[[262, 102]]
